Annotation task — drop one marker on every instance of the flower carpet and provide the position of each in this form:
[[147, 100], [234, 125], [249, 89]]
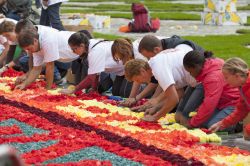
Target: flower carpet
[[49, 128]]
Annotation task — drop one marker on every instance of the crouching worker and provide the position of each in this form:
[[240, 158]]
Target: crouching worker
[[236, 73], [219, 97], [45, 45], [100, 60], [167, 68]]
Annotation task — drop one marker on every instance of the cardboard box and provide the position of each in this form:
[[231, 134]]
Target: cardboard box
[[208, 18], [231, 18], [96, 21], [227, 18], [99, 21], [220, 6]]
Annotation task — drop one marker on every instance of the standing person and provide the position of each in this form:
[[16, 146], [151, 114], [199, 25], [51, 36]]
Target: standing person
[[236, 73], [50, 15], [46, 45], [219, 97], [168, 70], [100, 60]]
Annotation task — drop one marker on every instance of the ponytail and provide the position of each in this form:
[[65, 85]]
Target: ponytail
[[194, 58], [208, 54], [236, 65]]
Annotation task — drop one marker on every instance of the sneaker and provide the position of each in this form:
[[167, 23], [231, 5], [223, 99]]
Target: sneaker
[[58, 81]]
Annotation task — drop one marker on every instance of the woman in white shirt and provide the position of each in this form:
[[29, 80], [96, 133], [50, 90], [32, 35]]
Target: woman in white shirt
[[124, 49], [99, 60]]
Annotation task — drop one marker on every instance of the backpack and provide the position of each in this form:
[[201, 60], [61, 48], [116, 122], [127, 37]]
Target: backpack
[[20, 7], [175, 40], [141, 21]]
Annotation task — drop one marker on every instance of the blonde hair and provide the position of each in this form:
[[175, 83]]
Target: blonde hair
[[7, 26], [133, 68], [236, 65], [123, 47]]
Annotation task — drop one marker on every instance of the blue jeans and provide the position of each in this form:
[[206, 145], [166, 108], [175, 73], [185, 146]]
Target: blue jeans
[[218, 115], [13, 16], [24, 63], [58, 68], [192, 99], [51, 17], [38, 4]]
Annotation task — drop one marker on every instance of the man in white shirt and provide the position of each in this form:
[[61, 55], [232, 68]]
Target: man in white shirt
[[50, 13], [46, 45], [167, 67]]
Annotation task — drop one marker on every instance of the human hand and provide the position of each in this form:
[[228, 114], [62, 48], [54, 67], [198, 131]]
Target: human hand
[[184, 120], [21, 86], [20, 79], [150, 118], [215, 127], [127, 103], [151, 111], [151, 102], [140, 108]]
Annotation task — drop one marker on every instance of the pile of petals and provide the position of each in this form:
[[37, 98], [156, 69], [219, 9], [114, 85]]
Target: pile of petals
[[73, 123], [11, 73]]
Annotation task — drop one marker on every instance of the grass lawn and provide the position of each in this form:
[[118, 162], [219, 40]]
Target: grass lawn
[[162, 16], [223, 46], [127, 1], [152, 6], [162, 10]]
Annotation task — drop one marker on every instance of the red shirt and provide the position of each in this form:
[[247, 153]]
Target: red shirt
[[217, 93], [243, 106]]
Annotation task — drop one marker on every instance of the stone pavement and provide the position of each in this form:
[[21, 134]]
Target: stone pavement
[[235, 140]]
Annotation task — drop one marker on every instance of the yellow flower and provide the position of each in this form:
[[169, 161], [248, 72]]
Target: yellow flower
[[191, 114], [233, 160]]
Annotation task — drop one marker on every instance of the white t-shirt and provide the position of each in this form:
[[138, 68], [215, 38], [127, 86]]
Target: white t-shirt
[[52, 2], [53, 46], [167, 68], [2, 38], [100, 58]]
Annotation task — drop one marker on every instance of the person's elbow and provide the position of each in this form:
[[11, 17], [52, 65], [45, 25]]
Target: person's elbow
[[172, 95], [174, 100]]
